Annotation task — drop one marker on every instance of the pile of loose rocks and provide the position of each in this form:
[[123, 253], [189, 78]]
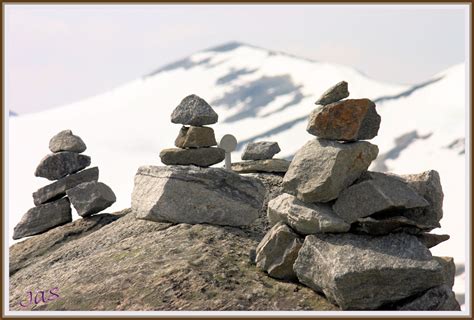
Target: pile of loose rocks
[[73, 186], [360, 238], [259, 156]]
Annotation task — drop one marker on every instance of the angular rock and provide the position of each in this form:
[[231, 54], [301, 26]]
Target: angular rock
[[188, 194], [42, 218], [57, 165], [58, 189], [194, 111], [359, 272], [430, 239], [269, 165], [277, 252], [304, 218], [195, 137], [261, 150], [202, 157], [380, 193], [66, 141], [348, 120], [91, 197], [337, 92], [321, 169], [387, 224], [440, 298], [449, 270]]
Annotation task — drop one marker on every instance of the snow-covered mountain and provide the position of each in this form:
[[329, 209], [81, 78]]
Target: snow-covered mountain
[[259, 95]]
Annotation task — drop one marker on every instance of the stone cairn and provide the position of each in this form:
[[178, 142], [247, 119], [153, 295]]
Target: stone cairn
[[259, 156], [360, 238], [73, 186]]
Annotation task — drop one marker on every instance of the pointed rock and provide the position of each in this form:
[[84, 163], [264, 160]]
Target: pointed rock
[[194, 111], [91, 197], [57, 165], [202, 157], [431, 240], [261, 150], [269, 165], [66, 141], [195, 137], [337, 92]]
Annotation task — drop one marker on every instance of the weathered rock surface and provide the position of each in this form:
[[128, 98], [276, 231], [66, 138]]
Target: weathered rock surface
[[387, 224], [431, 240], [91, 197], [194, 111], [196, 195], [337, 92], [363, 272], [260, 150], [304, 218], [42, 218], [269, 165], [195, 137], [380, 193], [203, 157], [449, 270], [57, 165], [58, 189], [348, 120], [277, 252], [321, 169], [440, 298], [66, 141]]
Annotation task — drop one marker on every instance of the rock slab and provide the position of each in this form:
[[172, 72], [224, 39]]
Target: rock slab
[[57, 165], [337, 92], [269, 165], [261, 150], [66, 141], [91, 197], [195, 137], [202, 157], [440, 298], [194, 111]]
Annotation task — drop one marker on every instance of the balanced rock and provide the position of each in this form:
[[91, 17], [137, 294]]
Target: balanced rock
[[58, 189], [194, 111], [202, 157], [189, 194], [431, 240], [304, 218], [57, 165], [348, 120], [379, 193], [91, 197], [195, 137], [260, 150], [385, 224], [440, 298], [268, 165], [337, 92], [42, 218], [66, 141], [277, 252], [321, 169], [359, 272]]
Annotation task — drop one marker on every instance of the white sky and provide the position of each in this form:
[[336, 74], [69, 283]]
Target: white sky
[[57, 54]]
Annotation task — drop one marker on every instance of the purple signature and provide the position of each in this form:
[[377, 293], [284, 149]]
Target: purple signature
[[41, 296]]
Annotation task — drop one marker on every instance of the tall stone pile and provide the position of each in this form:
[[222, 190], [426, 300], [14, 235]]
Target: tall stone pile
[[258, 158], [360, 238], [72, 186]]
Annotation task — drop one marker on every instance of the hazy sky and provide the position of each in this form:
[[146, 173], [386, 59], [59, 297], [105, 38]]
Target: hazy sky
[[57, 54]]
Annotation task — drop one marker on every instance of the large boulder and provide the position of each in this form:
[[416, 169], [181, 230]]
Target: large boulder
[[348, 120], [42, 218], [58, 189], [57, 165], [189, 194], [66, 141], [195, 137], [260, 150], [337, 92], [202, 157], [277, 252], [360, 272], [321, 169], [91, 197], [440, 298], [304, 218], [194, 111], [269, 165]]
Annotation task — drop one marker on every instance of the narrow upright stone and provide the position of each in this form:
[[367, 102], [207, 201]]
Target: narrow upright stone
[[194, 111], [337, 92], [66, 141]]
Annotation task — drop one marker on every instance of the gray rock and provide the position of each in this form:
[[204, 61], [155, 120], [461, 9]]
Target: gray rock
[[380, 193], [386, 225], [440, 298], [337, 92], [348, 120], [449, 270], [91, 197], [58, 189], [66, 141], [196, 195], [430, 239], [260, 150], [359, 272], [202, 157], [42, 218], [194, 111], [277, 252], [57, 165], [304, 218], [321, 169], [195, 137], [269, 165]]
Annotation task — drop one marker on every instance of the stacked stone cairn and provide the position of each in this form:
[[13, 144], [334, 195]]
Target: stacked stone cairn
[[360, 238], [186, 190], [72, 186], [259, 156]]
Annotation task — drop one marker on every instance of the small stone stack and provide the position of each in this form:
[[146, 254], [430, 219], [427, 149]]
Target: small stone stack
[[52, 208], [358, 237], [195, 143], [260, 159]]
